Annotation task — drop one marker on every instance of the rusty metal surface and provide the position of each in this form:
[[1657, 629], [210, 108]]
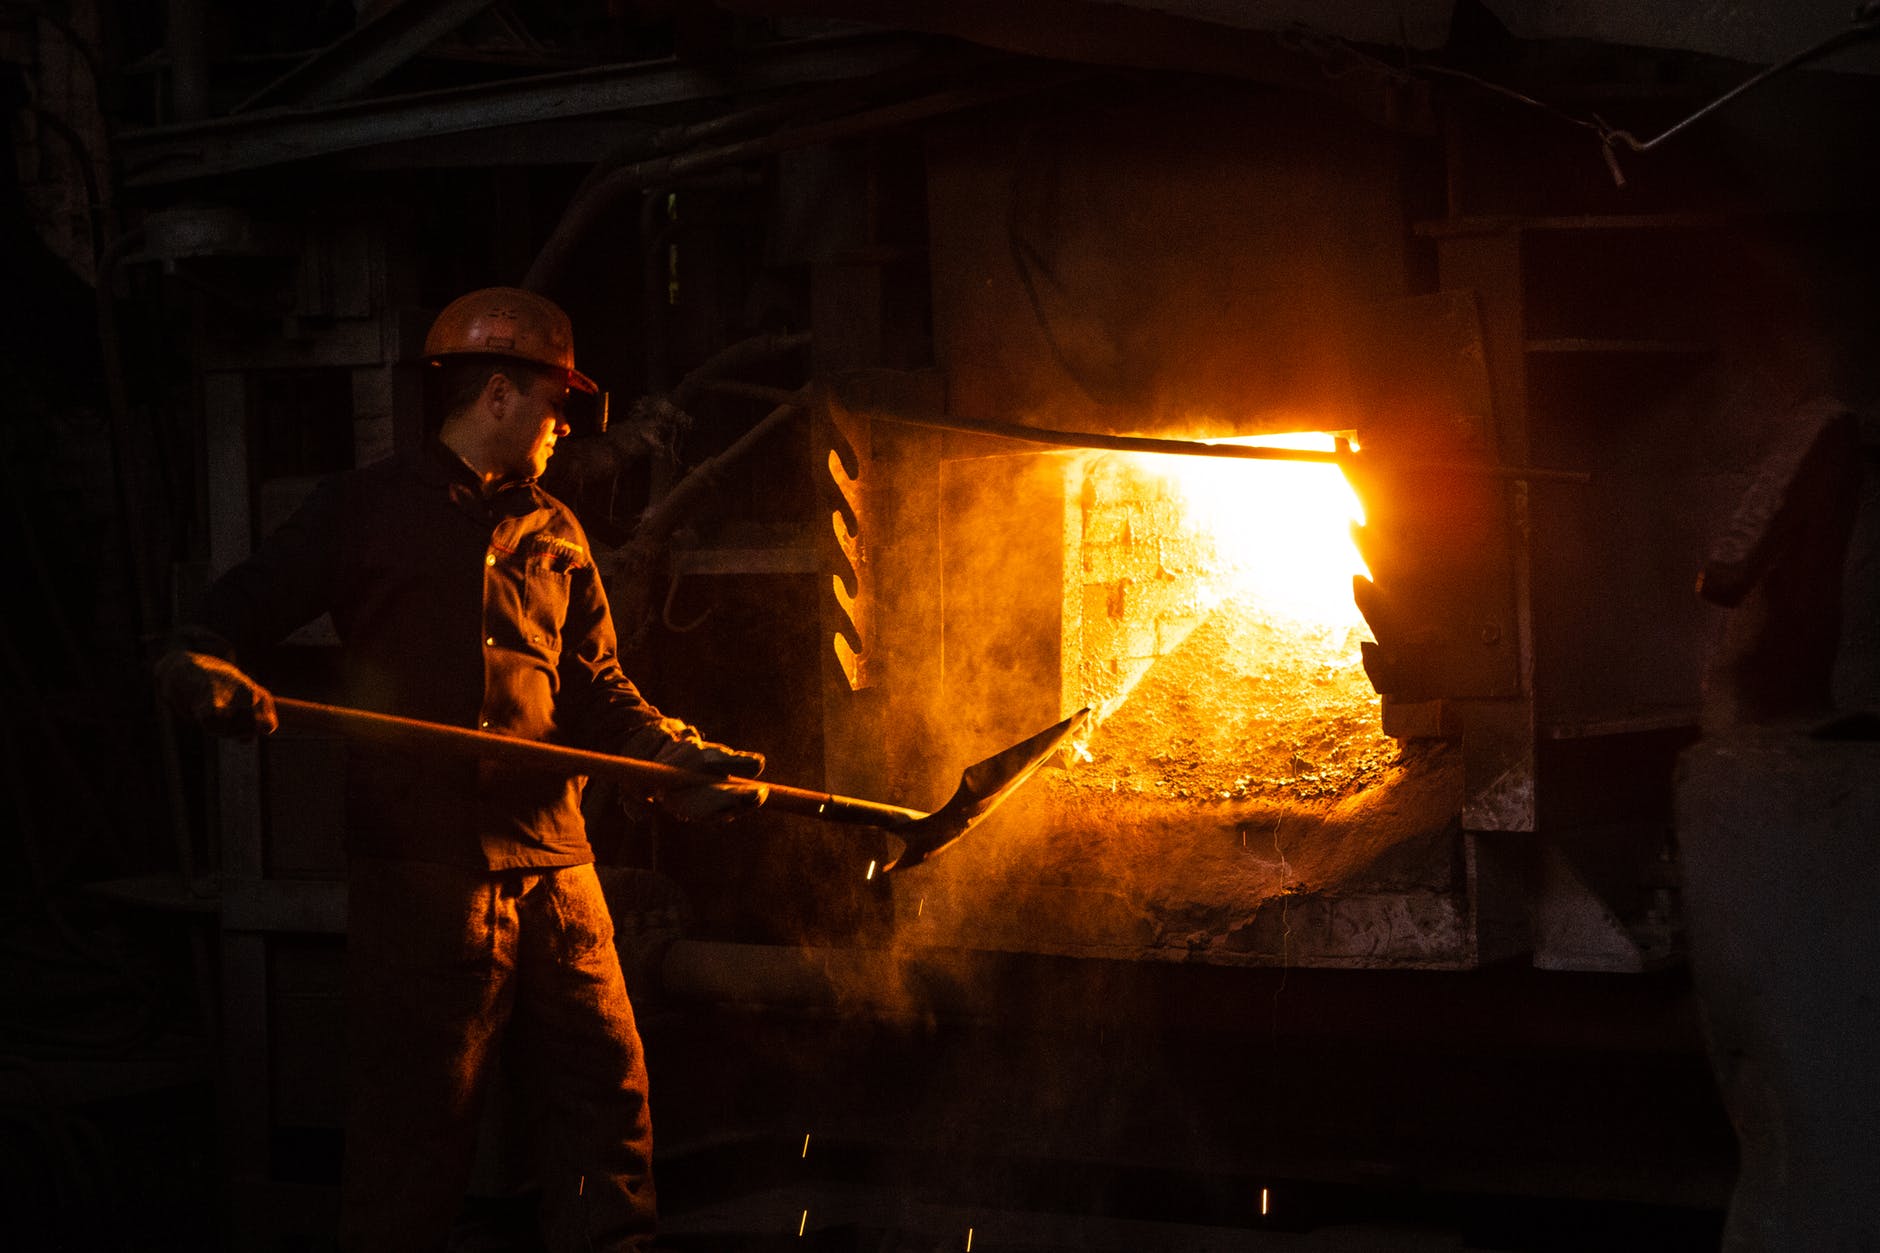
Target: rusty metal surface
[[1821, 449], [884, 740], [1441, 599], [843, 477]]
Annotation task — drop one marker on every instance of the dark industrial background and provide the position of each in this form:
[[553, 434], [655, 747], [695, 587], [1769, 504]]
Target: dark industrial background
[[1594, 970]]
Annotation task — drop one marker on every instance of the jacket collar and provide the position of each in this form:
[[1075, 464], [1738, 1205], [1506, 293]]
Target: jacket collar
[[438, 464]]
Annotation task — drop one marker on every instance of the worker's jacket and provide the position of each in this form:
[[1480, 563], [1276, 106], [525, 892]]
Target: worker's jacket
[[454, 608]]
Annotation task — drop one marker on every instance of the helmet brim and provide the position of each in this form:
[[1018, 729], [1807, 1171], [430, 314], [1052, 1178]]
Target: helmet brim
[[587, 403], [572, 378]]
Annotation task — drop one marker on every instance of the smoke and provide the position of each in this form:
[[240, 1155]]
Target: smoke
[[1089, 584], [1151, 272]]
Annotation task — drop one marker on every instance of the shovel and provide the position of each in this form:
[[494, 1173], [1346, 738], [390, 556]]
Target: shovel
[[983, 785]]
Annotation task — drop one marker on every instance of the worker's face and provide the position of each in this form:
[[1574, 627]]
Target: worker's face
[[533, 420]]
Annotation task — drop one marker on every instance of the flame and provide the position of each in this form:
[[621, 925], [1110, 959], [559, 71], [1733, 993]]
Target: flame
[[1249, 616], [1281, 529]]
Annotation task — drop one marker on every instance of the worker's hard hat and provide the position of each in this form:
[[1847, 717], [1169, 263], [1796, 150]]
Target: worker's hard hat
[[508, 322]]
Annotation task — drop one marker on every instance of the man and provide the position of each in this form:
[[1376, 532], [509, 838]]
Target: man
[[463, 593]]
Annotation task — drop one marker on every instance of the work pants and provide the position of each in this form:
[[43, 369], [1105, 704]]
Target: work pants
[[451, 973]]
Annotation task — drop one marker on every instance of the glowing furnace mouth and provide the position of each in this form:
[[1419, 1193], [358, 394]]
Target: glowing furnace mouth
[[1280, 531], [1218, 637]]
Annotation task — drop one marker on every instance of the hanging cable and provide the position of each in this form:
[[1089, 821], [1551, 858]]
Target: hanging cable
[[1865, 25]]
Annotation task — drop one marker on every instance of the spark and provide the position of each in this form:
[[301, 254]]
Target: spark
[[1263, 1203], [802, 1223], [921, 907], [871, 869], [806, 1144], [969, 1240]]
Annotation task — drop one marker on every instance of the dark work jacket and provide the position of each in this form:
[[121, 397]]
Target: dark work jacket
[[453, 608]]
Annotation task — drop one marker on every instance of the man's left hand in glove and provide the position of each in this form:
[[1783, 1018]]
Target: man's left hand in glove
[[216, 694], [672, 743]]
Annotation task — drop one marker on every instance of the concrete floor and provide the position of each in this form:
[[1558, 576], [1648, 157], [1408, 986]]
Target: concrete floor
[[860, 1220], [1500, 1129], [1041, 1140], [139, 1175]]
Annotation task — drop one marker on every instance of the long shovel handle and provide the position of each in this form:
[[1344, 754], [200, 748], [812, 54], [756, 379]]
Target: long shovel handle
[[402, 732]]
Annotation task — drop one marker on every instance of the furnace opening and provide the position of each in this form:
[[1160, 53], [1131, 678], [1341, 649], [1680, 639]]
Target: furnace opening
[[1218, 638], [1236, 799]]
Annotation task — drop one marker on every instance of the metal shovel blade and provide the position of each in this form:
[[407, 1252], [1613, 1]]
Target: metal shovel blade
[[983, 787]]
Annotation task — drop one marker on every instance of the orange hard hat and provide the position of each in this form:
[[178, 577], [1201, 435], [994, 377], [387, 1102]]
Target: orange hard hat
[[508, 322]]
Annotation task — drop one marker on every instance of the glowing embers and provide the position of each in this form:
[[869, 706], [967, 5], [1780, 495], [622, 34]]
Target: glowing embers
[[1219, 639]]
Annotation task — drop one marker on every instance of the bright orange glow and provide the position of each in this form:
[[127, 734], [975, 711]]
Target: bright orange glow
[[1281, 529], [1221, 645]]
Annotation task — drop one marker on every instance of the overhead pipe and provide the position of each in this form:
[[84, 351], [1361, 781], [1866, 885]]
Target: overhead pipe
[[592, 207], [736, 124], [612, 452]]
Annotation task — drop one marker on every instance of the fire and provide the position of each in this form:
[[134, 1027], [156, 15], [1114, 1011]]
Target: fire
[[1281, 529], [1218, 636]]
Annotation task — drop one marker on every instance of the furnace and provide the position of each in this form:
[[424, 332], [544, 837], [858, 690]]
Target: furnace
[[1550, 284], [1237, 797], [1214, 629]]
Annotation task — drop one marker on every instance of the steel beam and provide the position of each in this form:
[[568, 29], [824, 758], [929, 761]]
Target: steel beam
[[349, 65], [269, 137]]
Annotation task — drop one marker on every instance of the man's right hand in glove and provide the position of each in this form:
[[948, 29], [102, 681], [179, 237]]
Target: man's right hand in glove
[[672, 743], [215, 694]]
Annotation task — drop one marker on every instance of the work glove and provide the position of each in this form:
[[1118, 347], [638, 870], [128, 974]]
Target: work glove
[[671, 742], [215, 694]]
